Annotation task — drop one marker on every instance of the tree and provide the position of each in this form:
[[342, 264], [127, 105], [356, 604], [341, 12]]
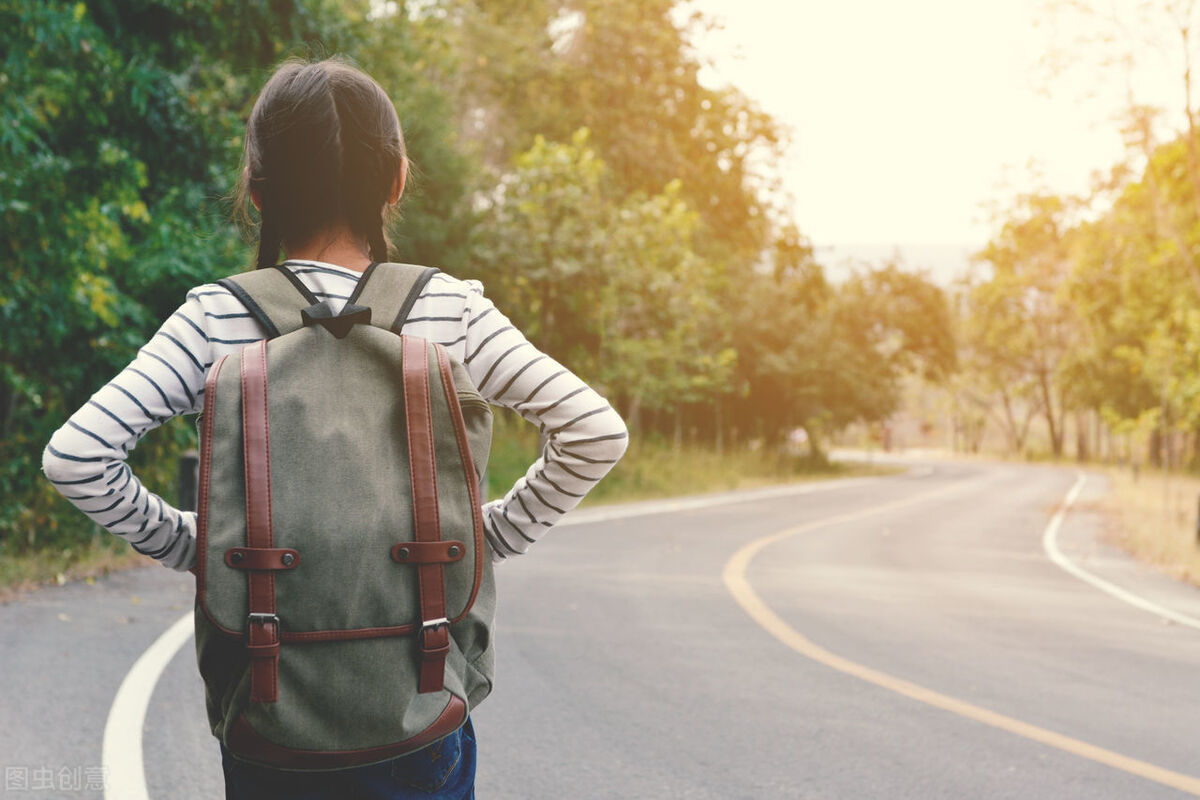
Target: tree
[[611, 285], [1132, 283], [625, 70], [819, 356], [120, 132], [1020, 331], [1111, 38]]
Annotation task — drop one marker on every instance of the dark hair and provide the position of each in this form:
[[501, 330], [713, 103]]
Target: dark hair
[[323, 147]]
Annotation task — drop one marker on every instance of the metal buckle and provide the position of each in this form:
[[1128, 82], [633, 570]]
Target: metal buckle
[[262, 618], [433, 625], [272, 643]]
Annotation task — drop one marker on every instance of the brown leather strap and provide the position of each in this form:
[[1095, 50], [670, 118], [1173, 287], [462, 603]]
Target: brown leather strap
[[468, 464], [262, 558], [262, 623], [444, 552], [206, 446], [433, 638]]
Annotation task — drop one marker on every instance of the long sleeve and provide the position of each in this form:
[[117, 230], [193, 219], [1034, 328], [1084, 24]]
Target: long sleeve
[[85, 459], [585, 435]]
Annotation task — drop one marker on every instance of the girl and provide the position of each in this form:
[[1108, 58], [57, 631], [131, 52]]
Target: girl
[[324, 163]]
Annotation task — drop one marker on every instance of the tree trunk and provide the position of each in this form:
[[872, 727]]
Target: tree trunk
[[8, 407], [719, 425], [814, 444], [1081, 437], [545, 316], [1015, 441], [1017, 432], [1056, 432], [634, 419]]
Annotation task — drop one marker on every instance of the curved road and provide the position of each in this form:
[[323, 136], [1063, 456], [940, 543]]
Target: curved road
[[899, 637]]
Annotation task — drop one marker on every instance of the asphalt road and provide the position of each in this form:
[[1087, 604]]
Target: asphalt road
[[629, 666]]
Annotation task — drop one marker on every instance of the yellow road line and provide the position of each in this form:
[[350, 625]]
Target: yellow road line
[[734, 576]]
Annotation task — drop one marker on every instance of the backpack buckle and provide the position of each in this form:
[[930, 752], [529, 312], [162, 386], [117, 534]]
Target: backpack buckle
[[262, 618], [433, 643], [432, 626], [262, 647], [262, 641]]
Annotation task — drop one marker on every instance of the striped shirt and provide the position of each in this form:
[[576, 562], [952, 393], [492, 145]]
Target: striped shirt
[[85, 459]]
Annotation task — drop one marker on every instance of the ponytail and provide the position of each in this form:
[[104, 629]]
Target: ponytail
[[269, 242], [378, 242]]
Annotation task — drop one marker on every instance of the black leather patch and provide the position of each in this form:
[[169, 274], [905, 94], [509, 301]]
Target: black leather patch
[[337, 324]]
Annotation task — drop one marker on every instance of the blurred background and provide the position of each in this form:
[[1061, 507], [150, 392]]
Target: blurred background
[[764, 230]]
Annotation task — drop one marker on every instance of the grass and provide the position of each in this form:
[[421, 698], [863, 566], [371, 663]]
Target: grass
[[650, 470], [57, 565], [1156, 519], [653, 469]]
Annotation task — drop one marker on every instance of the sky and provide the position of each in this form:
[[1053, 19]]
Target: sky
[[909, 118]]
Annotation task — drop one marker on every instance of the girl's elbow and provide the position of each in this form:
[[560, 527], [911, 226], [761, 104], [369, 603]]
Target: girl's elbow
[[54, 467], [619, 447], [616, 445], [59, 469]]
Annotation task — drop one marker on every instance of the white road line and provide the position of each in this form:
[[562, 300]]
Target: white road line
[[122, 753], [1050, 545], [121, 756]]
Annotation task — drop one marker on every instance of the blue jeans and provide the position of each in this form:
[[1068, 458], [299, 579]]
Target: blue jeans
[[445, 770]]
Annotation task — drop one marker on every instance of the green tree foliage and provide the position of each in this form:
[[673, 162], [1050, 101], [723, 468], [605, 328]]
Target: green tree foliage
[[1094, 313], [611, 285], [106, 167], [820, 356], [1134, 284], [625, 70], [120, 133], [1020, 330], [410, 56], [639, 259]]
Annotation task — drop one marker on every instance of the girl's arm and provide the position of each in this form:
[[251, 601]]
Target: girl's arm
[[85, 459], [585, 435]]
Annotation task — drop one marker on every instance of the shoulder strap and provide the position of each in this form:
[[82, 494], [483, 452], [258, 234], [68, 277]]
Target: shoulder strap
[[390, 290], [273, 296]]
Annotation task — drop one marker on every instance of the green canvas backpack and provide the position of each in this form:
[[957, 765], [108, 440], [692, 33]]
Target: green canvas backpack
[[344, 590]]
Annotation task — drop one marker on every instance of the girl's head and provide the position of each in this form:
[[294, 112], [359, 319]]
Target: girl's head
[[324, 154]]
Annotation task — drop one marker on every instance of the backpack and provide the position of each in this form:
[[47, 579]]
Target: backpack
[[344, 590]]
